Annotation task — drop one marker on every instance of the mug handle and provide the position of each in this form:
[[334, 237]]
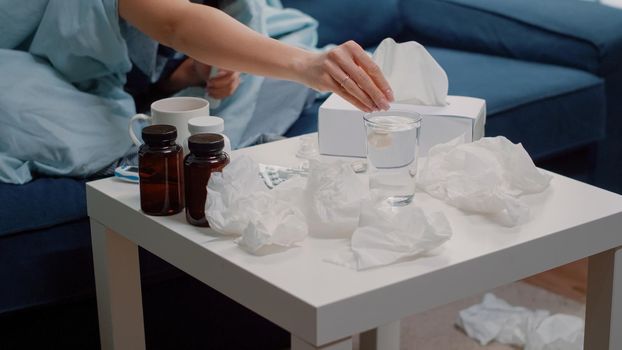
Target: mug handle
[[131, 130]]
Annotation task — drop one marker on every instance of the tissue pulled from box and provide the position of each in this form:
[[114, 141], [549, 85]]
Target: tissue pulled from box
[[387, 234], [496, 320], [238, 203], [414, 75], [334, 195], [484, 177]]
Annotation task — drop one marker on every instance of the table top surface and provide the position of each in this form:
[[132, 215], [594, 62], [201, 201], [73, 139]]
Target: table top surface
[[568, 221]]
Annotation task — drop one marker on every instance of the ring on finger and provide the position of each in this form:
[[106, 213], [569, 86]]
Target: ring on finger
[[345, 80]]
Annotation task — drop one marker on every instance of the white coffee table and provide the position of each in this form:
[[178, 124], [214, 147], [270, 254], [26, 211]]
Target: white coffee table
[[322, 305]]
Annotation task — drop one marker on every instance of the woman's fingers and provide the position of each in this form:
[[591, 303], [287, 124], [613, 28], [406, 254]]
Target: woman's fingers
[[223, 86], [224, 80], [348, 57], [224, 73], [359, 76], [365, 62], [349, 72], [341, 91], [345, 82], [220, 93]]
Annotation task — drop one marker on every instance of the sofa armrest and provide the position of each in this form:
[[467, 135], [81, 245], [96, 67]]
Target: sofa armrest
[[573, 33]]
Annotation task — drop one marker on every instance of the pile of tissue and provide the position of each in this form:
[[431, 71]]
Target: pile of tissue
[[332, 202], [496, 320], [238, 203], [484, 177]]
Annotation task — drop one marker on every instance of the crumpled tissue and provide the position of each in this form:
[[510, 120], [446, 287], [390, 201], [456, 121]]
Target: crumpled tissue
[[332, 202], [485, 177], [334, 195], [238, 203], [388, 234], [496, 320], [414, 75]]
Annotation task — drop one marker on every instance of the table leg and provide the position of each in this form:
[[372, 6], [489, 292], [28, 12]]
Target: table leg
[[117, 281], [603, 314], [343, 344], [382, 338]]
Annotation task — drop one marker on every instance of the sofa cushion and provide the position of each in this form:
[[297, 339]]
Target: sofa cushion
[[548, 108], [573, 33], [366, 22], [41, 203], [55, 264]]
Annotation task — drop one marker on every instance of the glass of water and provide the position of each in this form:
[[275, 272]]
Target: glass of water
[[392, 152]]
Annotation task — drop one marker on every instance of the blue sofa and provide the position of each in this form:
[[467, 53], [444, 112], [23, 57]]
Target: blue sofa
[[550, 71]]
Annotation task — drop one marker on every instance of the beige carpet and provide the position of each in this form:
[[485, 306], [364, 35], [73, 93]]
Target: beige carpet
[[434, 329]]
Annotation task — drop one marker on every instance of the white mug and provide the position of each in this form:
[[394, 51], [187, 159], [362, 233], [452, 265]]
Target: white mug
[[175, 111]]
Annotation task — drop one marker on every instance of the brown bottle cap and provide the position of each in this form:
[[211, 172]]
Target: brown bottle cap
[[159, 134], [206, 143]]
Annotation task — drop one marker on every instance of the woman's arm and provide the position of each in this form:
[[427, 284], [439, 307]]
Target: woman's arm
[[214, 38]]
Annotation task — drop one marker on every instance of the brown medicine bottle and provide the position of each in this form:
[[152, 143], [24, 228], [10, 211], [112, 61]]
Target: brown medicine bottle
[[160, 168], [206, 156]]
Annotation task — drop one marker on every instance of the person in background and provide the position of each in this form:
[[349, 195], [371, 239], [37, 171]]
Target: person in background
[[210, 36], [65, 105]]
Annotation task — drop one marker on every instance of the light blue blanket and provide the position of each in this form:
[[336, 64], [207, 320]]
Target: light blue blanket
[[247, 115], [63, 111]]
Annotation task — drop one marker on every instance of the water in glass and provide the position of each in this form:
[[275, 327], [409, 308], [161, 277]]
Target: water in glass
[[392, 147]]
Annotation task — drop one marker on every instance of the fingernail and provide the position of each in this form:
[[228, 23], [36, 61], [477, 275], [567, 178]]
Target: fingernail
[[385, 104], [390, 95]]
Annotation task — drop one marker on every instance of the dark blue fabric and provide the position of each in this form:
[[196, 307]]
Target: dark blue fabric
[[554, 125], [547, 108], [41, 266], [54, 264], [307, 122], [507, 83], [609, 166], [41, 203], [579, 34], [366, 22]]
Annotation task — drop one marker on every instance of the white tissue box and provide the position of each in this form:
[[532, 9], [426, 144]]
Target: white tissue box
[[342, 131]]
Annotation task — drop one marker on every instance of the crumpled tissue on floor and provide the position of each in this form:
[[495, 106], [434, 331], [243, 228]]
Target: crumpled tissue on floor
[[496, 320]]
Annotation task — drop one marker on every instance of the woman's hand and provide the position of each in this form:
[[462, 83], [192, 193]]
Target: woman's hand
[[222, 85], [194, 73], [349, 71], [213, 37]]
